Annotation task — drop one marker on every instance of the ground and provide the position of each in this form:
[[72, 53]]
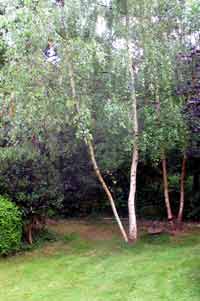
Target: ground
[[92, 263]]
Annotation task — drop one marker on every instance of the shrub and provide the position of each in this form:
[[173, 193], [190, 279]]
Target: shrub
[[10, 226]]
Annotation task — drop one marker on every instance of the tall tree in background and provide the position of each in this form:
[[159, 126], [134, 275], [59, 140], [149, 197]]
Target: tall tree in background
[[135, 154], [112, 84], [166, 125], [66, 25]]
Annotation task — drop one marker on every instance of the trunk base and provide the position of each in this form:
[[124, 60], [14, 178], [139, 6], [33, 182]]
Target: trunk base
[[132, 241]]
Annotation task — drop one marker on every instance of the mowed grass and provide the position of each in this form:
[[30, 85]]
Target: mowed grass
[[79, 269]]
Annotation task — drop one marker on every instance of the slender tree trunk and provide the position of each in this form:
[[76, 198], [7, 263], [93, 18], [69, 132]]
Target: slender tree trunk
[[12, 106], [166, 189], [106, 189], [88, 142], [30, 237], [28, 233], [182, 190], [164, 169], [135, 154], [131, 199]]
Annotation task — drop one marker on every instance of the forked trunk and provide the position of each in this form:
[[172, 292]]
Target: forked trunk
[[166, 190], [88, 142], [135, 155], [182, 190]]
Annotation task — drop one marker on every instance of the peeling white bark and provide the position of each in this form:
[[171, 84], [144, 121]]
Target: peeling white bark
[[166, 190], [182, 190], [135, 155]]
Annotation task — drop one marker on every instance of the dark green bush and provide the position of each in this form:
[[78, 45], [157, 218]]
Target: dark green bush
[[10, 226]]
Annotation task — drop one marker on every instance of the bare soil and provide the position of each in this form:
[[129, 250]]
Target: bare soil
[[106, 229]]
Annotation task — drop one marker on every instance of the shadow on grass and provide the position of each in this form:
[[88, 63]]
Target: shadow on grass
[[76, 242], [161, 239], [157, 243]]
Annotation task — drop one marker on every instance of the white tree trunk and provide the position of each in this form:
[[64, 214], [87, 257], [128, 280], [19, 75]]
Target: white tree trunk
[[182, 190], [135, 154], [131, 199], [89, 144], [106, 189], [166, 190]]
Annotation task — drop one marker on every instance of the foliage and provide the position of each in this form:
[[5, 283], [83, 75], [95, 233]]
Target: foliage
[[32, 183], [44, 165], [10, 226]]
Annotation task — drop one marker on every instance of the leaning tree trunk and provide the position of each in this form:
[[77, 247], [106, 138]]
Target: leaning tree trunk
[[106, 189], [182, 190], [135, 155], [166, 189], [88, 142]]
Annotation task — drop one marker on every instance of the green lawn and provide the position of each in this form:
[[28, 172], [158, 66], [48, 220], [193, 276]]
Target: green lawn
[[80, 269]]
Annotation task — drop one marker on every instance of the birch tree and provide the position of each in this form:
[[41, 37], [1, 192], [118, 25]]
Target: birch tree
[[68, 28], [135, 154]]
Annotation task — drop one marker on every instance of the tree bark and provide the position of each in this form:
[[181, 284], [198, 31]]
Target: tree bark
[[88, 142], [135, 154], [28, 233], [131, 199], [166, 189], [12, 106], [182, 190], [164, 168], [106, 189]]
